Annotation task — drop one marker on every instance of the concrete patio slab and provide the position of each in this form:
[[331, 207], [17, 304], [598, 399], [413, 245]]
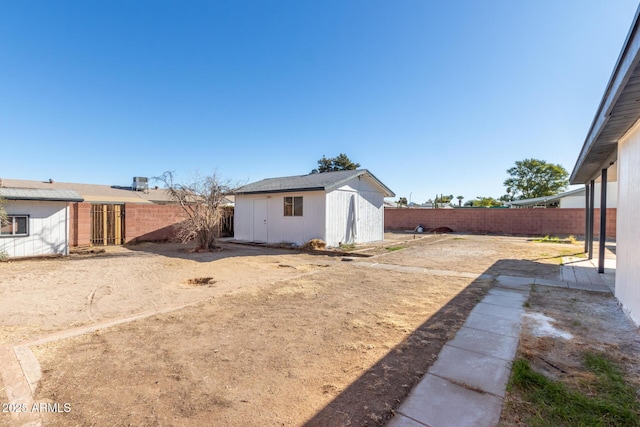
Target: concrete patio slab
[[511, 313], [515, 282], [552, 283], [494, 324], [480, 371], [600, 287], [501, 346], [505, 301], [436, 402], [510, 293]]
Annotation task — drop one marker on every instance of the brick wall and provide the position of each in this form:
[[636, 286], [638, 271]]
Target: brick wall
[[80, 224], [534, 222], [150, 222]]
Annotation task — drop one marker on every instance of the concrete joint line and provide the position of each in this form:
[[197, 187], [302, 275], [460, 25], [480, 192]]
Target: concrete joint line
[[412, 419]]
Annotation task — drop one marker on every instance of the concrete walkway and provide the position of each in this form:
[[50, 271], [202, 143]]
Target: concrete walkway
[[466, 385]]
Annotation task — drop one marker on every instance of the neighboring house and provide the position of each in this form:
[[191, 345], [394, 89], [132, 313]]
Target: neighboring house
[[38, 221], [569, 199], [337, 207], [614, 139], [110, 215]]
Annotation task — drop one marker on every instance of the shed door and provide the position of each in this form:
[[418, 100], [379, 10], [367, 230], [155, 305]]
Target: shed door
[[260, 220]]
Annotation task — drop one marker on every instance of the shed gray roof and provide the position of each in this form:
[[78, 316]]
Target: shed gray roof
[[546, 199], [49, 195], [312, 182], [619, 110]]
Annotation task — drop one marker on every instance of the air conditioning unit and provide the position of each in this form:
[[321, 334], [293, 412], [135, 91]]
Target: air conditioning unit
[[140, 183]]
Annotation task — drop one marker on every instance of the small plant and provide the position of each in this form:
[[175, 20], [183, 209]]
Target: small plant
[[4, 256], [394, 248], [527, 304], [554, 239], [347, 246]]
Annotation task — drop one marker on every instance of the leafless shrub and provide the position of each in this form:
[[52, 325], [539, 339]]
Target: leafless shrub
[[202, 200]]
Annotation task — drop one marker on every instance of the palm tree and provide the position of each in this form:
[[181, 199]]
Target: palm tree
[[460, 200]]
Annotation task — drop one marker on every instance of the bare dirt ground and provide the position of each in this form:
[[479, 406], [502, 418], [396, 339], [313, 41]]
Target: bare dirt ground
[[272, 337], [574, 323]]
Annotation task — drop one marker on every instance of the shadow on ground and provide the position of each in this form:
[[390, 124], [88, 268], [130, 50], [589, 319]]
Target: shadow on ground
[[373, 398]]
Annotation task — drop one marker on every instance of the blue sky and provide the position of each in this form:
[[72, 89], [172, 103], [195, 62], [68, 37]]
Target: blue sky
[[431, 96]]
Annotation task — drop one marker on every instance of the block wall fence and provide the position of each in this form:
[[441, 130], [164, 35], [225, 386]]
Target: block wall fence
[[142, 222], [147, 222], [533, 222]]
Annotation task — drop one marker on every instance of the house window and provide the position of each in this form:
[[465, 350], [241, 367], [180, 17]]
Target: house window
[[293, 206], [16, 225]]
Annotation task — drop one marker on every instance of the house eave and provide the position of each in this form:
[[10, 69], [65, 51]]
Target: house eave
[[618, 111]]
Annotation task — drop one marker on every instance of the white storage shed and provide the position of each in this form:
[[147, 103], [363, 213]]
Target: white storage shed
[[337, 207], [38, 221]]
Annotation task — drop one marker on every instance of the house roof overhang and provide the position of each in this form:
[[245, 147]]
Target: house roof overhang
[[38, 194], [619, 110]]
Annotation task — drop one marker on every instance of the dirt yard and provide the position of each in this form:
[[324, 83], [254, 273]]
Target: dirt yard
[[264, 337], [559, 328]]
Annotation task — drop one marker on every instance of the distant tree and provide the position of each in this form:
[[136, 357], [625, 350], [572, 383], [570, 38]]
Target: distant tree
[[202, 202], [444, 198], [460, 200], [483, 202], [535, 178], [506, 198], [339, 163], [402, 201]]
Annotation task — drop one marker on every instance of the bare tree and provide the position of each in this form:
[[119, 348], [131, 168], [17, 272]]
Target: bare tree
[[202, 201], [3, 213]]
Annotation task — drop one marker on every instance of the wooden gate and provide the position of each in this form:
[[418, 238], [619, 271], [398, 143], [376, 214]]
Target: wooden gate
[[107, 224]]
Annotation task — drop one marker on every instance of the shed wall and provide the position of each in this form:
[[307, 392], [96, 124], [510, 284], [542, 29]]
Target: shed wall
[[282, 228], [628, 232], [355, 213], [243, 218], [48, 229]]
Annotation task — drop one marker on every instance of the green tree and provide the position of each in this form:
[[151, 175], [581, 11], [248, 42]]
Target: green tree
[[339, 163], [531, 178], [460, 200], [401, 202], [483, 202], [444, 199]]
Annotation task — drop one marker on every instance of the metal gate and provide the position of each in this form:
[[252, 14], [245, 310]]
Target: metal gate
[[107, 224]]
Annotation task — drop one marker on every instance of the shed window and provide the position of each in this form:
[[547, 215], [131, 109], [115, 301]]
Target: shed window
[[16, 225], [293, 206]]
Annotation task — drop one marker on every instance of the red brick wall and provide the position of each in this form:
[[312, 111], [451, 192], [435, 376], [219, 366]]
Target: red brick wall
[[150, 222], [534, 222], [80, 224]]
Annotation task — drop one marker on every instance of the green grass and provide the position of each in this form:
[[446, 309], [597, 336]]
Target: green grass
[[394, 248], [347, 247], [612, 402], [554, 239]]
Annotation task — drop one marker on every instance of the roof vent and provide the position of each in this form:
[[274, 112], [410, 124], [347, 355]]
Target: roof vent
[[140, 183]]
